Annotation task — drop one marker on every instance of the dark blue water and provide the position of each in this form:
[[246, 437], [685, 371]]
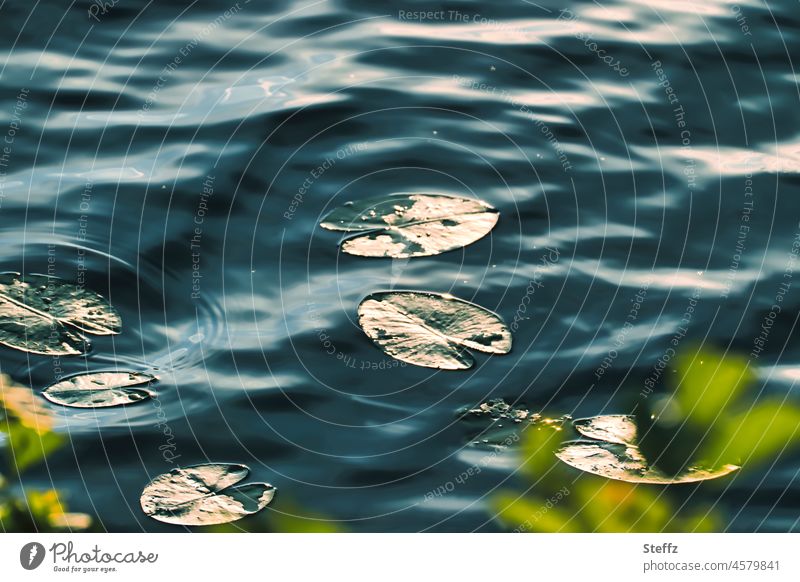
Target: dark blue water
[[178, 156]]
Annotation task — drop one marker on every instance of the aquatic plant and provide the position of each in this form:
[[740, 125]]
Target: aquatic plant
[[612, 451], [411, 225], [44, 315], [706, 425], [100, 389], [430, 329], [27, 435], [204, 495]]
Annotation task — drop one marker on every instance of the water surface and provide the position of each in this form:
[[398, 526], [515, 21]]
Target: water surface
[[178, 157]]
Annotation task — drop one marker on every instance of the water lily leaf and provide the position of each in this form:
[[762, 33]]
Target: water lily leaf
[[614, 454], [23, 329], [63, 301], [100, 389], [204, 495], [39, 314], [626, 463], [611, 428], [431, 330], [411, 225]]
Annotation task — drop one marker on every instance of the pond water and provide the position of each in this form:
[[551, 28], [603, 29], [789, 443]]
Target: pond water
[[177, 157]]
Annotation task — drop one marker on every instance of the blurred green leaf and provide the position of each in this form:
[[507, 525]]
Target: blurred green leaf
[[19, 402], [756, 434], [27, 425], [40, 511], [615, 506], [27, 446], [28, 438], [539, 444], [703, 520], [710, 381], [48, 507], [533, 514]]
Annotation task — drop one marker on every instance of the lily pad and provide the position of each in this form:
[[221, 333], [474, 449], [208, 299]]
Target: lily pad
[[40, 315], [625, 463], [23, 329], [430, 329], [100, 389], [611, 428], [204, 495], [411, 225], [614, 454]]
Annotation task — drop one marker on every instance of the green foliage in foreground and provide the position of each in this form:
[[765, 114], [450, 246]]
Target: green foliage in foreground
[[710, 415], [561, 501], [27, 439]]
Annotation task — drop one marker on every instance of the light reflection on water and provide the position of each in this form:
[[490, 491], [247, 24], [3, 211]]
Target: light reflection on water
[[277, 89]]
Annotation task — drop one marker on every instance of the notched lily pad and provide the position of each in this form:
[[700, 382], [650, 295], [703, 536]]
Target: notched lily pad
[[614, 454], [100, 389], [42, 315], [430, 329], [204, 495], [411, 225]]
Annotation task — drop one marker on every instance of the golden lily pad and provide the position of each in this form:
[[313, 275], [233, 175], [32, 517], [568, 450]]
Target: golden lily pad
[[430, 329], [611, 428], [100, 389], [34, 333], [411, 225], [204, 495], [40, 315], [614, 454], [625, 463]]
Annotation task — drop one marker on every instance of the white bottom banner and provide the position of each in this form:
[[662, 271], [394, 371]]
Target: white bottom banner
[[401, 557]]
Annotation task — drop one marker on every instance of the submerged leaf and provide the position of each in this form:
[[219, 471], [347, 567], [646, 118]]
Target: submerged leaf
[[614, 454], [498, 423], [37, 313], [100, 389], [411, 225], [203, 495], [499, 409], [431, 330]]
